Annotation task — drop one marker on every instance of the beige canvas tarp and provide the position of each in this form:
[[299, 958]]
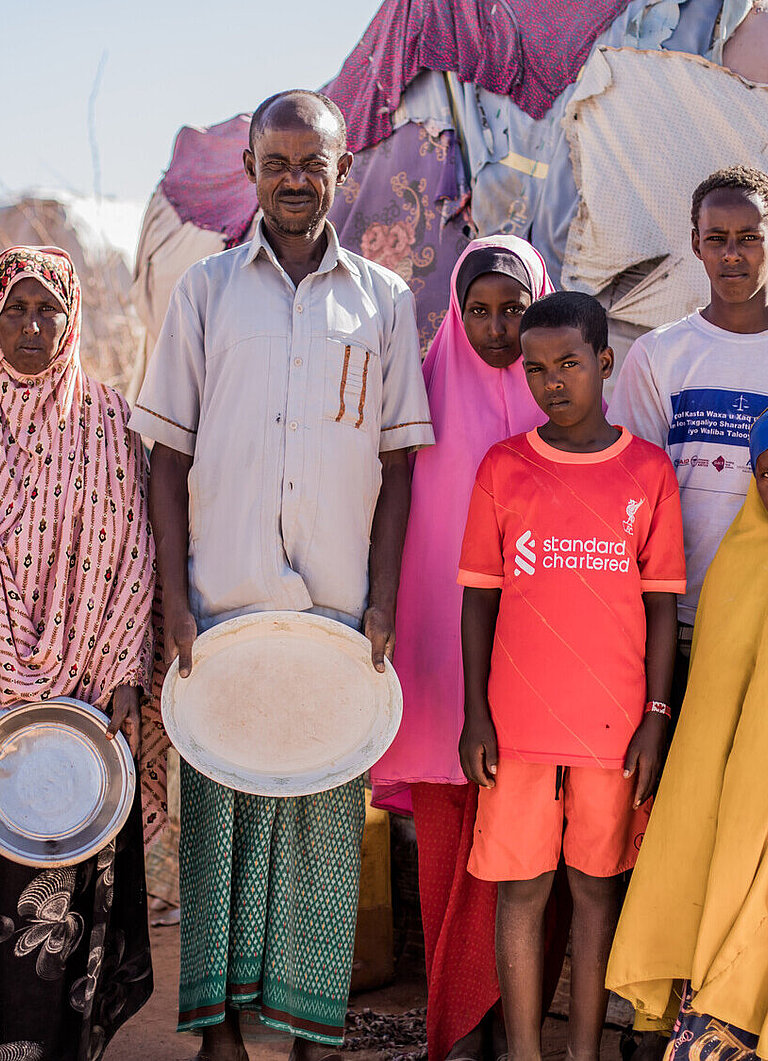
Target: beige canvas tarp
[[644, 128], [167, 247]]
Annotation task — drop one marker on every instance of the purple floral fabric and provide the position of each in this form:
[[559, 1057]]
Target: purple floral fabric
[[390, 210], [527, 49]]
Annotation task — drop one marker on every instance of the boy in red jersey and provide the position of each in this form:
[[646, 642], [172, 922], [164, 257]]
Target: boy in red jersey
[[572, 557]]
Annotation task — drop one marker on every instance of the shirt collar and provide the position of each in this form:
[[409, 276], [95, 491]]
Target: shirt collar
[[334, 252]]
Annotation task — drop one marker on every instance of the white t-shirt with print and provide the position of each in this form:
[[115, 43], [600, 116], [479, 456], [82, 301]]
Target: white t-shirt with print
[[695, 390]]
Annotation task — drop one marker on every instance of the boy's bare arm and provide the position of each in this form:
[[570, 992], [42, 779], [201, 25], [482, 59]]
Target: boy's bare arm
[[645, 753], [477, 745]]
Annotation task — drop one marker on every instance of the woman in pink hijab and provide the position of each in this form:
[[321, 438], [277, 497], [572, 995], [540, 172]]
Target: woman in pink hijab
[[478, 395]]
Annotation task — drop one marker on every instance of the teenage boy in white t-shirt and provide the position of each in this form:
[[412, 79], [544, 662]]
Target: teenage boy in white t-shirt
[[696, 386]]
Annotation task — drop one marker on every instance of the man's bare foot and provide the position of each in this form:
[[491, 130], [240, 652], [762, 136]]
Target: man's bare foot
[[304, 1050], [223, 1042]]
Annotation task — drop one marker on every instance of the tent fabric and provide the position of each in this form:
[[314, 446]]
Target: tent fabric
[[732, 14], [168, 245], [426, 102], [387, 211], [746, 51], [526, 49], [638, 150], [696, 27], [205, 181], [517, 167], [520, 167]]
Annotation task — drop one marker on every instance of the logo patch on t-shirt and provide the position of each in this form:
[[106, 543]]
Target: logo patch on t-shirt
[[631, 510], [586, 554], [573, 554], [719, 416], [525, 557]]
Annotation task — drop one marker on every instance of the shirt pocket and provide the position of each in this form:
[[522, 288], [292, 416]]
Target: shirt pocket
[[353, 384]]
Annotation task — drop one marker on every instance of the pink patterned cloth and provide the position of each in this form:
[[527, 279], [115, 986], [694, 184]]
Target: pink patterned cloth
[[205, 182], [472, 406], [529, 50], [77, 556]]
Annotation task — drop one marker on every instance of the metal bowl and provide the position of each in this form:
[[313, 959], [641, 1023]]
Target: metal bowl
[[65, 790]]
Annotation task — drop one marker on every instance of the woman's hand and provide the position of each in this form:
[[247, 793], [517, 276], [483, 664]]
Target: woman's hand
[[126, 717], [478, 750]]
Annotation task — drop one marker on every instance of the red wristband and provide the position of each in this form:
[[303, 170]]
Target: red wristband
[[655, 707]]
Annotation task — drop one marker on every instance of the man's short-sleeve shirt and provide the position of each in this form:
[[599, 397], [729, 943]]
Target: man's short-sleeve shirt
[[284, 396], [573, 540]]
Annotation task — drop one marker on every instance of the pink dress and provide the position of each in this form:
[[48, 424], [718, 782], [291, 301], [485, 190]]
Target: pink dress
[[472, 406]]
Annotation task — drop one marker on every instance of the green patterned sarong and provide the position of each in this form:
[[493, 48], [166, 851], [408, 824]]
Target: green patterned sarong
[[268, 905]]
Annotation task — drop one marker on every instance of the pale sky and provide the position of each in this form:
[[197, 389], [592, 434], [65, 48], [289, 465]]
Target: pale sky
[[168, 63]]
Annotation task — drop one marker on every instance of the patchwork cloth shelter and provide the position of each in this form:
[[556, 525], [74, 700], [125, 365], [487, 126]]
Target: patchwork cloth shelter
[[583, 126], [643, 217]]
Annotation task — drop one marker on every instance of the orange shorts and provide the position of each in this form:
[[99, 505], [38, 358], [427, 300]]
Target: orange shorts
[[523, 825]]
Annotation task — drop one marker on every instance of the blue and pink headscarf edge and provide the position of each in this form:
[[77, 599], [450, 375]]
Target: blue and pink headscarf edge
[[758, 438]]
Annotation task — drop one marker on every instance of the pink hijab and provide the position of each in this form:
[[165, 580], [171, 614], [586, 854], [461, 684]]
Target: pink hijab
[[473, 406], [76, 552]]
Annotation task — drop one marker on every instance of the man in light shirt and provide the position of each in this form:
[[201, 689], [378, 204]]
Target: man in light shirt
[[283, 397]]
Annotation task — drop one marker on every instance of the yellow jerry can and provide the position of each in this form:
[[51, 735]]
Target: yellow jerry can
[[374, 962]]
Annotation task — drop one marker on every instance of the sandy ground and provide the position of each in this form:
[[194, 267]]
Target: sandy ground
[[151, 1035]]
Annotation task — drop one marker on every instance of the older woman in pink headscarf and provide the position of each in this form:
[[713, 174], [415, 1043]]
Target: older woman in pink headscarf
[[76, 567], [478, 395]]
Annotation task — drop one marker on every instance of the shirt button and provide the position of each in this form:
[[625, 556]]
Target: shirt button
[[298, 362], [293, 425], [299, 308]]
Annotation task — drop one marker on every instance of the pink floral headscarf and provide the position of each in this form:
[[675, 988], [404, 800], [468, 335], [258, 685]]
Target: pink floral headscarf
[[76, 556]]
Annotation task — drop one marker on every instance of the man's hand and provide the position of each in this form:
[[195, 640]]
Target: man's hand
[[180, 630], [645, 755], [379, 628], [126, 717], [478, 750]]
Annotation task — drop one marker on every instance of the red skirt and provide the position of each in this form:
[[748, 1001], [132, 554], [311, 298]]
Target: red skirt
[[459, 917]]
